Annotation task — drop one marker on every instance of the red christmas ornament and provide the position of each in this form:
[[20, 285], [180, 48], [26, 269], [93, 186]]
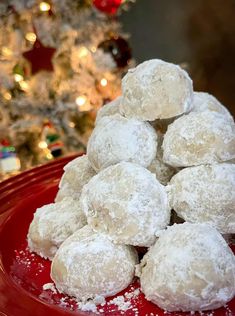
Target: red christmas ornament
[[107, 6], [40, 57]]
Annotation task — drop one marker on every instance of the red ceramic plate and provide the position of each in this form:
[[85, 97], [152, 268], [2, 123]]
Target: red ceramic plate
[[22, 274]]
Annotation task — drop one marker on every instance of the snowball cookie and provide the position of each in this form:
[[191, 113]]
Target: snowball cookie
[[205, 194], [108, 109], [77, 173], [52, 224], [199, 138], [88, 264], [203, 101], [127, 203], [190, 268], [156, 90], [117, 139]]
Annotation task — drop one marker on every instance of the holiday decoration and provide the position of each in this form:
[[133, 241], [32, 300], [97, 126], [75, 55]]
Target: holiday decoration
[[119, 49], [51, 141], [9, 162], [107, 6], [40, 57], [60, 62]]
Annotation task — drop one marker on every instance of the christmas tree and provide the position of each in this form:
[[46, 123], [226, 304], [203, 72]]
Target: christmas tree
[[60, 61]]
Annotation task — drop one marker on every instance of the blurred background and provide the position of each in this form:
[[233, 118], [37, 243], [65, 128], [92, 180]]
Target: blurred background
[[198, 34], [62, 60]]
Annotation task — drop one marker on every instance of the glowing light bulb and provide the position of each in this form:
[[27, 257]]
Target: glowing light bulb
[[18, 77], [7, 96], [6, 51], [42, 145], [103, 82], [31, 37], [44, 6], [71, 124], [83, 52], [81, 100], [83, 104], [49, 156], [24, 85]]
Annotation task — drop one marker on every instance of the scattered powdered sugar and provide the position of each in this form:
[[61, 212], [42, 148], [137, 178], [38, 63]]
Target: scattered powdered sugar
[[99, 305], [49, 286], [125, 302], [88, 307], [63, 302], [121, 303], [99, 300]]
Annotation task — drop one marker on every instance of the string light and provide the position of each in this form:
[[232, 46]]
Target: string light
[[7, 96], [81, 100], [18, 77], [24, 85], [103, 82], [83, 104], [44, 6], [71, 124], [6, 51], [83, 52], [42, 145], [31, 37], [49, 156]]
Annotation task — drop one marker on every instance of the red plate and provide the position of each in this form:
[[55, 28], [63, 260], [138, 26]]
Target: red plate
[[22, 274]]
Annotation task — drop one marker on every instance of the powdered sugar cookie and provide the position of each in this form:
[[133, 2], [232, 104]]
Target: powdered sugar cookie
[[203, 101], [205, 194], [76, 173], [199, 138], [190, 268], [52, 224], [156, 90], [88, 264], [108, 109], [127, 203], [117, 139]]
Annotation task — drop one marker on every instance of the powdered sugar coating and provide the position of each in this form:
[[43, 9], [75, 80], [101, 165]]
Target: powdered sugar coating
[[76, 173], [156, 90], [88, 264], [190, 268], [203, 101], [127, 203], [117, 139], [205, 194], [199, 138], [52, 224], [109, 109]]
